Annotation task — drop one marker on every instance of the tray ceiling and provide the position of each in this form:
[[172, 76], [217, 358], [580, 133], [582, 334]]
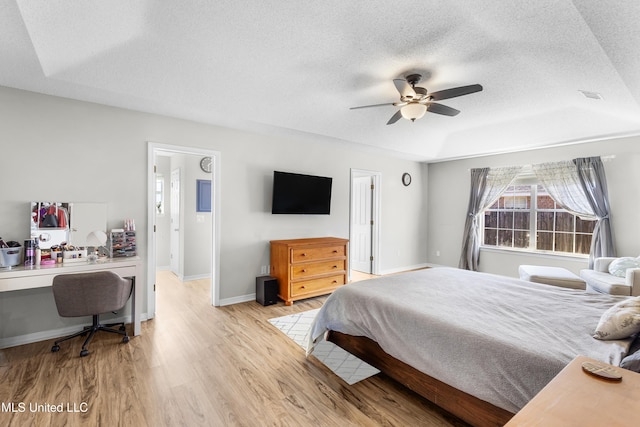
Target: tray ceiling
[[553, 72]]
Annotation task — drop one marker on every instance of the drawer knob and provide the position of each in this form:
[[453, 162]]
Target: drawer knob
[[301, 287], [335, 266], [335, 252], [303, 254], [304, 270], [335, 281]]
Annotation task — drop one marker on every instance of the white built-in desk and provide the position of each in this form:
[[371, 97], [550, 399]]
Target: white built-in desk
[[20, 278]]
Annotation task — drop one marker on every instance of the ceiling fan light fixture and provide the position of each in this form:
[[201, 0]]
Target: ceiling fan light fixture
[[413, 111]]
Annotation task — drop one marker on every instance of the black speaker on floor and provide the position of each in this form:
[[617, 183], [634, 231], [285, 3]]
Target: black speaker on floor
[[266, 290]]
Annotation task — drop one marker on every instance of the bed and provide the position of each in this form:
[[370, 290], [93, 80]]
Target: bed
[[476, 344]]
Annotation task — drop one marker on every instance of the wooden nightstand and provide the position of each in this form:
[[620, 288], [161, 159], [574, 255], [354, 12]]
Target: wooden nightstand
[[575, 398]]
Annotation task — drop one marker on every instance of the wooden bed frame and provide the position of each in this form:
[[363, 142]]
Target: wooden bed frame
[[464, 406]]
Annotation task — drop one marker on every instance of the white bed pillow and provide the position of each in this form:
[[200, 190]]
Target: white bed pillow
[[619, 266], [620, 321]]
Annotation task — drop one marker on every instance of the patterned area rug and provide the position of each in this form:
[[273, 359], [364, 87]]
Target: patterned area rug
[[343, 364]]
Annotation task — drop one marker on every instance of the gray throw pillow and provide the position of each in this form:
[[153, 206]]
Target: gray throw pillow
[[631, 362]]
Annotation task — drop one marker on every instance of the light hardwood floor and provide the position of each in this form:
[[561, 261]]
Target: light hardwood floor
[[195, 364]]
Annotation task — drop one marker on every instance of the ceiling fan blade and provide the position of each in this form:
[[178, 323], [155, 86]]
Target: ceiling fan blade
[[442, 109], [374, 105], [453, 92], [397, 116], [404, 88]]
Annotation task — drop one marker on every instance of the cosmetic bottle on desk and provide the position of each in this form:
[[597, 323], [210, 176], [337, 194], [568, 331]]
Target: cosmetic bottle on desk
[[29, 253]]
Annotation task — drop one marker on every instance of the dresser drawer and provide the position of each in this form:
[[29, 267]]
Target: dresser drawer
[[321, 284], [299, 271], [313, 254]]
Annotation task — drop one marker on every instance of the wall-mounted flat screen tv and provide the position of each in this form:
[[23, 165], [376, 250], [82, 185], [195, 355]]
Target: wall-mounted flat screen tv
[[301, 194]]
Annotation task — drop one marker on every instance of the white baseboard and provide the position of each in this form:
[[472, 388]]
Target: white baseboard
[[405, 268], [55, 333], [238, 300], [252, 297], [195, 277]]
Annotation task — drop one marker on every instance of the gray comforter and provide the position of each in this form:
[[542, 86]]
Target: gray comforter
[[497, 338]]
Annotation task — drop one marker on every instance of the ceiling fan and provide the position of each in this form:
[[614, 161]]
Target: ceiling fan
[[415, 101]]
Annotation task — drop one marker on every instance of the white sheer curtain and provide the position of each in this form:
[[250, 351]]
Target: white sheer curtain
[[486, 187], [562, 182], [580, 187]]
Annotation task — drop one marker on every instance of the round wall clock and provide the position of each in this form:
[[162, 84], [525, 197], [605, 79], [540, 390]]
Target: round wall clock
[[406, 179], [205, 164]]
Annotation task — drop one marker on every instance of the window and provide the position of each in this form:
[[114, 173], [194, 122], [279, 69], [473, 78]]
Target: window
[[159, 194], [525, 217]]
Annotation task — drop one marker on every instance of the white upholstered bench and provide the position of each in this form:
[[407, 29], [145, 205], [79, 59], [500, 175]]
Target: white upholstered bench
[[555, 276]]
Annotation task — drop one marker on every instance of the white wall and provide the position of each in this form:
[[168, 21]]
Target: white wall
[[59, 149], [195, 226], [448, 198]]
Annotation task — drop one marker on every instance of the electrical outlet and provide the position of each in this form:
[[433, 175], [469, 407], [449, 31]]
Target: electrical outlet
[[437, 253]]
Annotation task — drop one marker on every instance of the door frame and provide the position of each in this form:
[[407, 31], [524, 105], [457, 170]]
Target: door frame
[[152, 149], [375, 214], [177, 261]]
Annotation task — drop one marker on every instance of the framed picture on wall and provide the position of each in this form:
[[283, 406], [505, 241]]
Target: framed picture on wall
[[203, 195]]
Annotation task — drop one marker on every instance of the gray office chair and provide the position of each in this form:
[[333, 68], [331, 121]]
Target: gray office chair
[[90, 294]]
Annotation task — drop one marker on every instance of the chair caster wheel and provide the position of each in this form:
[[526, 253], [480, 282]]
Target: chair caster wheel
[[122, 328], [84, 353], [125, 339], [55, 348]]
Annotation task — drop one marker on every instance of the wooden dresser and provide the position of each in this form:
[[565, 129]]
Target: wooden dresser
[[308, 267]]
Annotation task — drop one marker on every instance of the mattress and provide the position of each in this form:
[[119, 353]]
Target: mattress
[[494, 337]]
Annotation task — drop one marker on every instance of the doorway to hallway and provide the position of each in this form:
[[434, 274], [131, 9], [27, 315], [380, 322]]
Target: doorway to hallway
[[364, 226], [183, 176]]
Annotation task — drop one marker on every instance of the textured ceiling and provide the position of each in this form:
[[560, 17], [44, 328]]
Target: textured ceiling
[[296, 67]]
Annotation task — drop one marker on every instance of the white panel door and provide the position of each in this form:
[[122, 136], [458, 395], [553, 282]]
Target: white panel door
[[175, 222], [361, 224]]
